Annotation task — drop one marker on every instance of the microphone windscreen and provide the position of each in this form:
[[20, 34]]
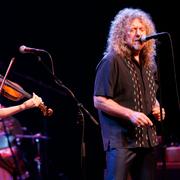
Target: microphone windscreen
[[22, 49]]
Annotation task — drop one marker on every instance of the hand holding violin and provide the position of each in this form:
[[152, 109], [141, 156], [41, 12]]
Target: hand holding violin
[[35, 101]]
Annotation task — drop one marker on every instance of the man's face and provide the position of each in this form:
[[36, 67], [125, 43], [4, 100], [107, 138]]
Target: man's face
[[135, 31]]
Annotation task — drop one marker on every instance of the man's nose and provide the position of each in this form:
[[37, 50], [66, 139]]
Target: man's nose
[[138, 32]]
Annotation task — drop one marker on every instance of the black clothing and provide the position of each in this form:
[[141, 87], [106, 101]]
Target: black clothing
[[130, 85], [139, 161]]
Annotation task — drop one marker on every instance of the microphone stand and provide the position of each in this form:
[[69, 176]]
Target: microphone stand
[[18, 174], [163, 144], [81, 110], [60, 83]]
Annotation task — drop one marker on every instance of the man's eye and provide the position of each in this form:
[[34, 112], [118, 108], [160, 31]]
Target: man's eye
[[132, 30]]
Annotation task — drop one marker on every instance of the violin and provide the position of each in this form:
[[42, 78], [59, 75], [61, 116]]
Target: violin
[[15, 92]]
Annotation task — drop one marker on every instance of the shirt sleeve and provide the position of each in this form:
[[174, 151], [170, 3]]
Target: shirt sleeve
[[105, 78]]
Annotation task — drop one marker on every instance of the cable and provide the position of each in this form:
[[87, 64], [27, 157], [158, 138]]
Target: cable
[[174, 70]]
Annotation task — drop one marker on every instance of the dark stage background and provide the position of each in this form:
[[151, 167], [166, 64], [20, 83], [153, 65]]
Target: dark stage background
[[74, 33]]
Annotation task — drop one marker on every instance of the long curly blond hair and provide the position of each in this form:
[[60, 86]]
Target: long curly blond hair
[[116, 40]]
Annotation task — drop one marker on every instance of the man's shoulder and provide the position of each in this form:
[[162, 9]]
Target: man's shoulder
[[111, 58]]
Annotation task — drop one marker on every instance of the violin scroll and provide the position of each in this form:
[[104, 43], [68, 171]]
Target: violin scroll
[[45, 110]]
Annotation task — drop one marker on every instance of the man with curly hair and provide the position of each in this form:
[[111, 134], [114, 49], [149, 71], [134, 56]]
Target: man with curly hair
[[125, 95]]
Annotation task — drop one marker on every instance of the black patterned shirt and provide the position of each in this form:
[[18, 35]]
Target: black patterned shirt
[[132, 86]]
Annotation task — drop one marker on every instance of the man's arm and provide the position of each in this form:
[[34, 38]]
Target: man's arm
[[112, 108]]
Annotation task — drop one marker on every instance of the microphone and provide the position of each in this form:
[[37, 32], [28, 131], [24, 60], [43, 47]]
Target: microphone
[[152, 36], [24, 49]]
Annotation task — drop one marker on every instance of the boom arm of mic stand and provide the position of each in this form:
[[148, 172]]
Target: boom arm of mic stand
[[59, 83], [88, 113], [80, 105]]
